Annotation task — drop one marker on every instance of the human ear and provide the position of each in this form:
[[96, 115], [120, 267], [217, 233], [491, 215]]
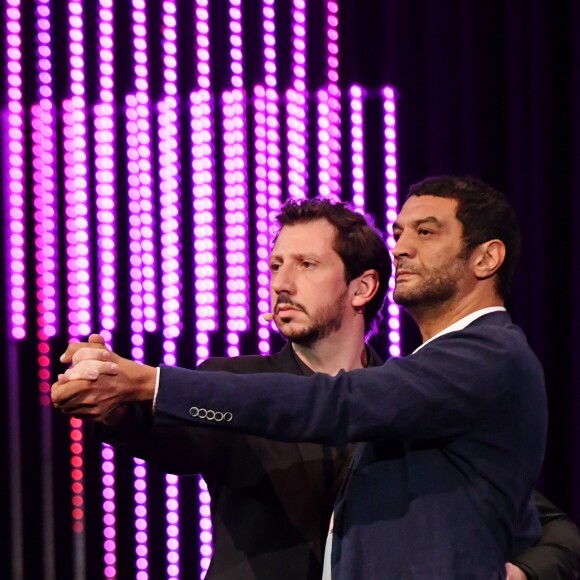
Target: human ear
[[488, 258], [365, 287]]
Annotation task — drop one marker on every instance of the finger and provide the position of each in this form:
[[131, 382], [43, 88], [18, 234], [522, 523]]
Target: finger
[[85, 413], [78, 410], [80, 413], [90, 354], [62, 378], [62, 394], [95, 341], [66, 357], [91, 369]]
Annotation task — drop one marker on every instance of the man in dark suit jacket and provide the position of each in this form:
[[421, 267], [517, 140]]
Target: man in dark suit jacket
[[240, 368], [272, 501]]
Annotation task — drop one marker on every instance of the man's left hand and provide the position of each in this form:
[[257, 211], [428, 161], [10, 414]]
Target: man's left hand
[[514, 573]]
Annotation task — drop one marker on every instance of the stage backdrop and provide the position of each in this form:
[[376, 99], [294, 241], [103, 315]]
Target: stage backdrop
[[146, 147]]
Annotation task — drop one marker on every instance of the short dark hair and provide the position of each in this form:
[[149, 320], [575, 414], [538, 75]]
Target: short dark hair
[[358, 243], [485, 214]]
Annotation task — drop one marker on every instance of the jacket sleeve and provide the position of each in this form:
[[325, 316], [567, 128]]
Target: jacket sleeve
[[442, 391], [173, 446], [557, 555]]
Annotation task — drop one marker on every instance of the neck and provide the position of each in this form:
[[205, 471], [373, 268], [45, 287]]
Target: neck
[[334, 353], [433, 319]]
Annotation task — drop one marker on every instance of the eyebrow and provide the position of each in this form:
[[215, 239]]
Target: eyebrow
[[426, 220], [297, 256]]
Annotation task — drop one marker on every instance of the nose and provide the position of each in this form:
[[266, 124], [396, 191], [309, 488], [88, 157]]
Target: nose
[[282, 280], [404, 246]]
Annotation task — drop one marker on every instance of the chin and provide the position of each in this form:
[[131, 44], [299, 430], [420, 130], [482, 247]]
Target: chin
[[289, 328], [303, 336], [292, 333], [406, 299]]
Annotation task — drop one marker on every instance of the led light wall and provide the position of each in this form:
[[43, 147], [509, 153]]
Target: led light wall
[[146, 155]]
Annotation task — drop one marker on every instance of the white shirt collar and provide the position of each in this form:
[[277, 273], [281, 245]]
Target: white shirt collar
[[462, 323]]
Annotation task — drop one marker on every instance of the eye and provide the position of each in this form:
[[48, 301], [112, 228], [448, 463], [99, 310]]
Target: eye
[[274, 267], [424, 233], [307, 265]]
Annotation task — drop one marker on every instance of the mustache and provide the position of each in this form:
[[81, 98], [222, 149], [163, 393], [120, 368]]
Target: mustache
[[402, 265], [284, 298]]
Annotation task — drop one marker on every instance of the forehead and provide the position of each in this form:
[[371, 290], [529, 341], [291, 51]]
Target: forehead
[[424, 207], [311, 237]]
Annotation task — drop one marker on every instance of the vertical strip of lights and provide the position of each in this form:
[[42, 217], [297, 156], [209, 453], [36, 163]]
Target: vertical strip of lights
[[134, 206], [14, 207], [78, 246], [329, 111], [169, 186], [170, 210], [45, 200], [391, 200], [109, 509], [76, 181], [142, 209], [172, 508], [236, 190], [357, 148], [203, 189], [268, 176], [44, 178], [297, 107], [43, 119], [141, 244], [14, 163], [105, 122], [205, 529], [105, 174], [204, 232], [262, 216]]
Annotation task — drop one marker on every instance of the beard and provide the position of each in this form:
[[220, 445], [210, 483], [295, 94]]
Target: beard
[[433, 289], [324, 321]]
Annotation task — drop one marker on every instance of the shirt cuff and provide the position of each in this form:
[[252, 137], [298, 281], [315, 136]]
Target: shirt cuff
[[156, 389]]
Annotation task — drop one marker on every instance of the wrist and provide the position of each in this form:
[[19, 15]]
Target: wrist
[[146, 381]]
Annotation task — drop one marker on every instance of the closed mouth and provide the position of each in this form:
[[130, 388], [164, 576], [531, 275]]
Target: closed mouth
[[286, 308]]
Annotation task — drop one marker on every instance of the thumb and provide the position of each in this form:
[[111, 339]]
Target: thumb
[[96, 339]]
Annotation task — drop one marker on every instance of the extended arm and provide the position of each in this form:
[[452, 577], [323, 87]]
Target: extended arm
[[441, 392]]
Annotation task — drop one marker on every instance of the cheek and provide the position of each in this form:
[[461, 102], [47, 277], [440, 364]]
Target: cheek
[[328, 292]]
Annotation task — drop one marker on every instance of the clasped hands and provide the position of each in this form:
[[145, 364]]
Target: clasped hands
[[99, 381]]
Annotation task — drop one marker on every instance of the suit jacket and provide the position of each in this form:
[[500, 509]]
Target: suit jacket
[[271, 501], [454, 439]]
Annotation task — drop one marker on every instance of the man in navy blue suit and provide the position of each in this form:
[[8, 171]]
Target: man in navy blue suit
[[453, 433]]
